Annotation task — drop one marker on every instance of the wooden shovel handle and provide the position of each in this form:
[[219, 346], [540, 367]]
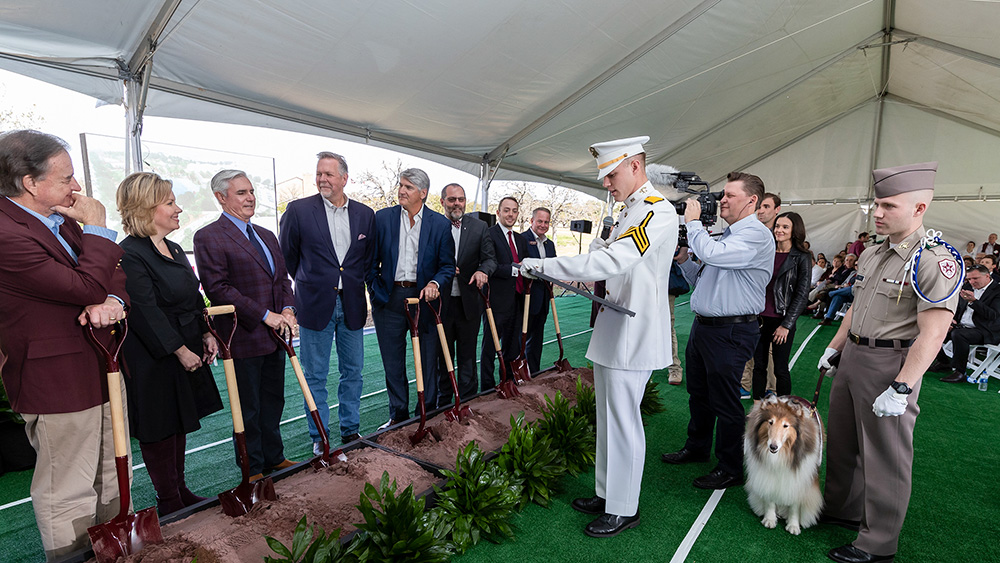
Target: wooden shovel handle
[[220, 310], [234, 394], [417, 365], [555, 316], [117, 414]]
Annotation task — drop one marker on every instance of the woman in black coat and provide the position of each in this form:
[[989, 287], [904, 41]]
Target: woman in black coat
[[786, 296], [170, 386]]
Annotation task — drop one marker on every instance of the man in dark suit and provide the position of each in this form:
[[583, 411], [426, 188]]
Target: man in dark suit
[[475, 260], [328, 242], [241, 264], [51, 271], [539, 246], [414, 257], [990, 262], [977, 319], [506, 292]]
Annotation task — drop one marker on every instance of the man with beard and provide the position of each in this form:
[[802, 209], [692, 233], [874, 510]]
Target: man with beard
[[475, 260]]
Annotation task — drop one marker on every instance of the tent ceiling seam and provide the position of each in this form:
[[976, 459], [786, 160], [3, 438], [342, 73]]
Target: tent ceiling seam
[[621, 65]]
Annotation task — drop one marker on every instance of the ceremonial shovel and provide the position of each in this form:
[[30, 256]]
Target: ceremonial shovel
[[415, 339], [459, 410], [238, 501], [506, 388], [324, 460], [126, 533], [519, 365], [562, 364]]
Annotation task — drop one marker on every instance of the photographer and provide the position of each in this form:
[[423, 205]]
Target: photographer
[[726, 301]]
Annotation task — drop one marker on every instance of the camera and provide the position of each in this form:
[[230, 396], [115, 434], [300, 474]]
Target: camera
[[708, 200]]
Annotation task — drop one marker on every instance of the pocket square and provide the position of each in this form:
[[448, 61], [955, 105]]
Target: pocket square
[[362, 236]]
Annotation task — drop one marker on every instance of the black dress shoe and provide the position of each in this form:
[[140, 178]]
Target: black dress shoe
[[683, 456], [718, 479], [350, 438], [592, 505], [954, 377], [850, 554], [610, 525], [852, 525]]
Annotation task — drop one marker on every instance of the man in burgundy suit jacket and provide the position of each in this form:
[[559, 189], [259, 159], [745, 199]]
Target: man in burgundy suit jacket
[[54, 277], [241, 265]]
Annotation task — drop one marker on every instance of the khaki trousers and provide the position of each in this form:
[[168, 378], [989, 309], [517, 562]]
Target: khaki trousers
[[74, 485], [675, 370], [747, 381], [869, 466]]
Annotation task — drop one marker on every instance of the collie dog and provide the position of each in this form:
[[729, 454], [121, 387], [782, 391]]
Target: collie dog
[[783, 448]]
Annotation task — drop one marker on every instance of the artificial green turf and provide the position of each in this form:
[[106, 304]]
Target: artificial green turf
[[953, 516]]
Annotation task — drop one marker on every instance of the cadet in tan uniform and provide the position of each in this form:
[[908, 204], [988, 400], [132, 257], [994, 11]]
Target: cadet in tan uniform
[[873, 402]]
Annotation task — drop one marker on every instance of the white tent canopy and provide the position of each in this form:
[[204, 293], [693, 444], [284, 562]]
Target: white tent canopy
[[809, 94]]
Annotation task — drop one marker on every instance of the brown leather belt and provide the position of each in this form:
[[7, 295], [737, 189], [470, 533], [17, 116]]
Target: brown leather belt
[[864, 341], [405, 284]]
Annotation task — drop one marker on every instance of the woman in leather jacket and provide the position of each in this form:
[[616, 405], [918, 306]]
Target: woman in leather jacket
[[785, 298]]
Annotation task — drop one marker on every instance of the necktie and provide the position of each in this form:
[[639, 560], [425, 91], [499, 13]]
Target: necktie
[[519, 285], [457, 223], [257, 246]]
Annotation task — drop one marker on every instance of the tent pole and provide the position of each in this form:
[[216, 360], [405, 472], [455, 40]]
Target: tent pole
[[889, 21]]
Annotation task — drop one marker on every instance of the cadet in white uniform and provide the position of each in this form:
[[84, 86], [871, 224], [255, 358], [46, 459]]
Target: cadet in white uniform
[[625, 351]]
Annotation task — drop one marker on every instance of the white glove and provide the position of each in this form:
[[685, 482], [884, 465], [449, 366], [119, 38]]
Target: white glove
[[527, 270], [824, 360], [598, 243], [890, 403]]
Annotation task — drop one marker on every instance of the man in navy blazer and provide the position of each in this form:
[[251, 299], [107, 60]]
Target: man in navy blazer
[[506, 292], [328, 242], [240, 264], [414, 257], [539, 246]]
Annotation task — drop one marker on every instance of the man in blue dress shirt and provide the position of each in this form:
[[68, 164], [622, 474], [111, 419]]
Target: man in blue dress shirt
[[728, 296]]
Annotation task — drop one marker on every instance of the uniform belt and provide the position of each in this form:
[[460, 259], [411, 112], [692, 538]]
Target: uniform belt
[[863, 341], [405, 284], [719, 321]]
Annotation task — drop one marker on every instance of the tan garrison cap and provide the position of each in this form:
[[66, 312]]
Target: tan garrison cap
[[902, 179], [610, 154]]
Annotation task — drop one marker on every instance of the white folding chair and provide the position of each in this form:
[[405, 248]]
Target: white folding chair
[[986, 367]]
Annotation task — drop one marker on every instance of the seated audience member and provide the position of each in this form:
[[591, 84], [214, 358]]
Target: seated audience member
[[170, 386], [839, 279], [970, 249], [990, 262], [819, 270], [991, 246], [977, 321], [838, 297], [969, 262]]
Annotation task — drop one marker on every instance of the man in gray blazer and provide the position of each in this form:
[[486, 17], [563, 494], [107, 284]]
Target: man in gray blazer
[[475, 260]]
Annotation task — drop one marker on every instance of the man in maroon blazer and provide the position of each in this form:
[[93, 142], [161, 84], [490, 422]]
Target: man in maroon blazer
[[54, 278], [241, 265]]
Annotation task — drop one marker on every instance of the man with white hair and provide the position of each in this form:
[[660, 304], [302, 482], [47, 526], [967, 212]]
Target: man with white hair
[[635, 261], [873, 401], [241, 264]]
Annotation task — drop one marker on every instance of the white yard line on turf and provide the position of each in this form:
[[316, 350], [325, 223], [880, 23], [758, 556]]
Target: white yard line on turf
[[699, 524], [229, 440]]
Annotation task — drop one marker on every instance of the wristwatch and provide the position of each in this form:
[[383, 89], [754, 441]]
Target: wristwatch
[[901, 387]]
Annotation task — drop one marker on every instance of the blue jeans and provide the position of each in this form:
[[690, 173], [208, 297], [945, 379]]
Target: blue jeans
[[837, 299], [314, 348]]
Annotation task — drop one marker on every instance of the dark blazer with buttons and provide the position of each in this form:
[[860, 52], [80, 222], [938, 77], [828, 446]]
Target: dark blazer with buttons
[[985, 311], [502, 282], [232, 273], [475, 253], [307, 246], [47, 363], [539, 289], [435, 256]]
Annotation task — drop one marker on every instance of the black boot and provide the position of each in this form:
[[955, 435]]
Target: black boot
[[162, 469], [187, 497]]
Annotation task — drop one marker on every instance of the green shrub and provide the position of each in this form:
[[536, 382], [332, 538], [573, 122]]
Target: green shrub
[[478, 499], [533, 460], [651, 401], [586, 401], [569, 432], [396, 527], [306, 549]]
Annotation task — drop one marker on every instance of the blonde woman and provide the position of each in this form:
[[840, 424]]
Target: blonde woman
[[166, 356]]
